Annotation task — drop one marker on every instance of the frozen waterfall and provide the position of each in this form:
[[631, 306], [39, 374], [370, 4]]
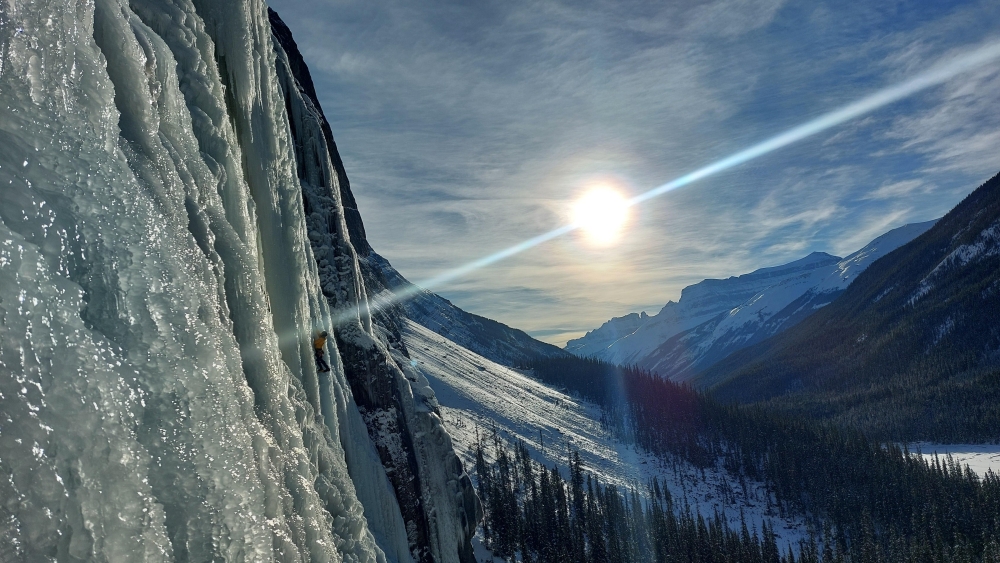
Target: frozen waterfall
[[158, 293]]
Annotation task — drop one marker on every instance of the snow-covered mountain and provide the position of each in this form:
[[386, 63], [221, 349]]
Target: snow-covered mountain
[[175, 226], [714, 317], [908, 351], [770, 311], [628, 339]]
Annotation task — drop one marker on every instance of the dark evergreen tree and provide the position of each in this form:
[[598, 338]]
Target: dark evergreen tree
[[836, 475]]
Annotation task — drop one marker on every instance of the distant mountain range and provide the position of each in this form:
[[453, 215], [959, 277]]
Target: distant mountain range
[[911, 348], [629, 339], [715, 317], [773, 310]]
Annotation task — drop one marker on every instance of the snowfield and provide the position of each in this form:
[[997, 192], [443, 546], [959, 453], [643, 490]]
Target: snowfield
[[979, 457], [474, 393]]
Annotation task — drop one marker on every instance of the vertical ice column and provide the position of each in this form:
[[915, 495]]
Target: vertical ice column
[[325, 212], [433, 491], [157, 296]]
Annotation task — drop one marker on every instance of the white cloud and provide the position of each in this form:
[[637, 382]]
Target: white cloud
[[465, 127], [961, 128], [896, 190]]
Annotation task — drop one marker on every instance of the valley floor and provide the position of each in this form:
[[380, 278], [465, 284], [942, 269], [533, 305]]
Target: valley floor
[[979, 457], [475, 393]]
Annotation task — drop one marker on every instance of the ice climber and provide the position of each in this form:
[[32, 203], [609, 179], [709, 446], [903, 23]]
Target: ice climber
[[318, 343]]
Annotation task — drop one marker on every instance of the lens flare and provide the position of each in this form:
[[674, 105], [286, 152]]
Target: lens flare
[[934, 76], [601, 213]]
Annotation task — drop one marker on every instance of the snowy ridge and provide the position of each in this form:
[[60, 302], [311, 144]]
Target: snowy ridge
[[770, 311], [987, 244], [849, 268], [714, 318], [489, 338], [618, 342], [475, 393], [158, 295]]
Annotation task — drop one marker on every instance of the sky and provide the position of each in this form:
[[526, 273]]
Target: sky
[[467, 127]]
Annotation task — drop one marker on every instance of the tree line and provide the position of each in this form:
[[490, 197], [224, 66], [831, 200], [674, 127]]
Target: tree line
[[877, 501], [534, 515]]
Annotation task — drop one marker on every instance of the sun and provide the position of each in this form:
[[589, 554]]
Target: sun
[[601, 213]]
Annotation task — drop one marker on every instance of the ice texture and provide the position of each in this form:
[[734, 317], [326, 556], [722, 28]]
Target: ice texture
[[158, 294], [430, 494]]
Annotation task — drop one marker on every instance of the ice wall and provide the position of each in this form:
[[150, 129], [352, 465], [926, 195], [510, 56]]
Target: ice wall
[[434, 494], [158, 292]]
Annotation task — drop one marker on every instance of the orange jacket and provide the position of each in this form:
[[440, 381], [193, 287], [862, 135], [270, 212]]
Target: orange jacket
[[319, 342]]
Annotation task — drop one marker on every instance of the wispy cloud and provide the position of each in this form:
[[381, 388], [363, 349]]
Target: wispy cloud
[[897, 190], [466, 127]]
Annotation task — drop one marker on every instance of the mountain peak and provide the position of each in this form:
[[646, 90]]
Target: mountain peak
[[910, 336], [738, 308]]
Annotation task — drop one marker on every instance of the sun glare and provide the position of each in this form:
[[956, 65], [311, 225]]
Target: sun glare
[[601, 214]]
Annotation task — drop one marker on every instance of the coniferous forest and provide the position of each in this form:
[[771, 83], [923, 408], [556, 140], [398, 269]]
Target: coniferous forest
[[534, 513], [865, 500]]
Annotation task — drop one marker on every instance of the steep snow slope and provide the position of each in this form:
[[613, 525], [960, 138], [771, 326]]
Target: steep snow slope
[[770, 311], [474, 394], [626, 340], [489, 338], [160, 281]]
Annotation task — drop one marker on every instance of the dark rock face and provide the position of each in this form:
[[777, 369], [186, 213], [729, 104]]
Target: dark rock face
[[491, 339], [435, 495]]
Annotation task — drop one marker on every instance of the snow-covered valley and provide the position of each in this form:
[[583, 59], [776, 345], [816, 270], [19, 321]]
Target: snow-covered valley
[[476, 394], [980, 458]]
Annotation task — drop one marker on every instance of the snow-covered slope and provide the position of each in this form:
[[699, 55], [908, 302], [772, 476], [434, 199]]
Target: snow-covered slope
[[770, 311], [489, 338], [981, 458], [627, 340], [475, 394], [160, 281]]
